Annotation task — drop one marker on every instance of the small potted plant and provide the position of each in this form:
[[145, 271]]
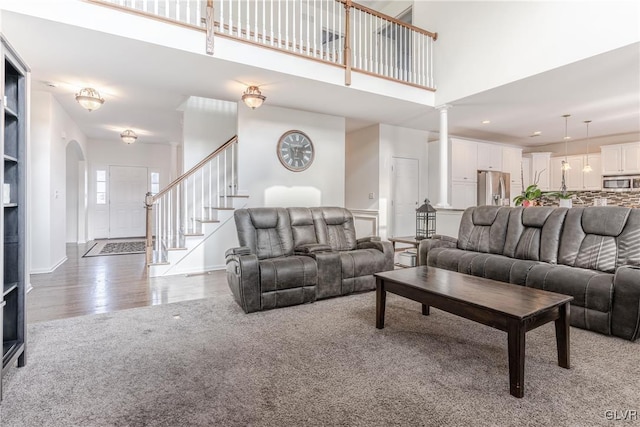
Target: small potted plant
[[565, 199], [529, 197]]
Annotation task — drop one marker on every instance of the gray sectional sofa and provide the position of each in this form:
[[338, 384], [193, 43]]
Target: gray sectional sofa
[[592, 254], [297, 255]]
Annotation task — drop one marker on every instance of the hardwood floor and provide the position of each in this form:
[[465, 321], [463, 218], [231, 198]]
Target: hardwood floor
[[104, 284]]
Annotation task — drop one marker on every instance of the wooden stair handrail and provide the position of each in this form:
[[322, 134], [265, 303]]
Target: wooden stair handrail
[[194, 169]]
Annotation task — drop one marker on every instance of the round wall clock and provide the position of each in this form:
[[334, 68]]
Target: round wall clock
[[295, 150]]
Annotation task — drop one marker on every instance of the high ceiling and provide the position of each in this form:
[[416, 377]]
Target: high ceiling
[[145, 84]]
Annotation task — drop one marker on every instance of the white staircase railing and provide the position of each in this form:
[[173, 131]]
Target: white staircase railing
[[194, 198], [338, 32]]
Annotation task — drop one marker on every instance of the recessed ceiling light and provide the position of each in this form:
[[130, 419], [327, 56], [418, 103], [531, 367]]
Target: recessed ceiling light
[[486, 122], [536, 133], [50, 84]]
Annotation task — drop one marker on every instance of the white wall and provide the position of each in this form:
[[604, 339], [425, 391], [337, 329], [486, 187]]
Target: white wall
[[485, 44], [101, 154], [71, 191], [399, 142], [51, 130], [208, 123], [262, 176], [362, 168]]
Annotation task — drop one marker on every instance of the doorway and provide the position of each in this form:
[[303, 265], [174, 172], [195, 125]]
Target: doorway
[[405, 181], [128, 186]]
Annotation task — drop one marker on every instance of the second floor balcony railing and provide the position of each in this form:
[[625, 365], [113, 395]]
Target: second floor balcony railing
[[339, 32]]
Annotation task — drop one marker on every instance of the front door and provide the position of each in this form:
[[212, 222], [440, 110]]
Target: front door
[[406, 182], [128, 186]]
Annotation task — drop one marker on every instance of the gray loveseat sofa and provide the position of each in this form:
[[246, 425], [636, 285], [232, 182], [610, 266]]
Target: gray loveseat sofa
[[592, 254], [297, 255]]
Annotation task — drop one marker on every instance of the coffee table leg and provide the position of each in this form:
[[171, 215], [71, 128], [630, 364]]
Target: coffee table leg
[[425, 310], [562, 336], [381, 299], [516, 358]]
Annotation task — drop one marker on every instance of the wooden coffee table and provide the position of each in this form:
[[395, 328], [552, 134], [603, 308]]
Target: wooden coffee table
[[510, 308]]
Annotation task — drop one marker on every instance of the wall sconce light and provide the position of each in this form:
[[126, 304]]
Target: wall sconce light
[[253, 97], [129, 136], [89, 98]]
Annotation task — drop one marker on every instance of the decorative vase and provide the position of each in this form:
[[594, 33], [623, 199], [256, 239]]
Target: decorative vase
[[566, 203]]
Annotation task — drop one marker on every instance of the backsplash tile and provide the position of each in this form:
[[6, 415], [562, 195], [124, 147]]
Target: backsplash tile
[[588, 198]]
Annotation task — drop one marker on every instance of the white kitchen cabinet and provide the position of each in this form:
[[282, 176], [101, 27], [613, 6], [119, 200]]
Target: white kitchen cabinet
[[620, 158], [512, 163], [464, 160], [489, 157], [576, 178], [555, 166], [593, 179], [540, 170], [463, 194]]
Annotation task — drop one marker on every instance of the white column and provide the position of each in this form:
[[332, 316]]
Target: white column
[[175, 169], [444, 157]]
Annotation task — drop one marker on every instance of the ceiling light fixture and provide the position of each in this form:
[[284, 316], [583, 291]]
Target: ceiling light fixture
[[253, 97], [89, 98], [565, 163], [129, 136], [486, 122], [587, 168]]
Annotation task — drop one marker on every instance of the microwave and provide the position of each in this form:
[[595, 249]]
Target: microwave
[[621, 183]]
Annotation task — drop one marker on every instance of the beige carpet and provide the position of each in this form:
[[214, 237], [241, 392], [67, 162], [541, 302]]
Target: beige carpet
[[205, 363]]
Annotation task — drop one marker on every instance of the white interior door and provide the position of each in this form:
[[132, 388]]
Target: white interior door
[[406, 189], [128, 186]]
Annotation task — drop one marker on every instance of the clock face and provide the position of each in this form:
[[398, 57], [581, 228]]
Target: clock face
[[295, 150]]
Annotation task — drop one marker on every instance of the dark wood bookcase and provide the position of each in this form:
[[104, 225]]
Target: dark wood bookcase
[[13, 221]]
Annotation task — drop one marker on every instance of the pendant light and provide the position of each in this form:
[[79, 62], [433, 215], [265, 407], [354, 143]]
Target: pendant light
[[587, 168], [565, 163]]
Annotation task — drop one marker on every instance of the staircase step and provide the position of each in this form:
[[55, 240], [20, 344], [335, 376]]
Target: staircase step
[[193, 234], [177, 249], [237, 196], [207, 221], [219, 208], [159, 263]]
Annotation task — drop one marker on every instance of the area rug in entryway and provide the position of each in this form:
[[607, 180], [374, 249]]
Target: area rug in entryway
[[116, 247]]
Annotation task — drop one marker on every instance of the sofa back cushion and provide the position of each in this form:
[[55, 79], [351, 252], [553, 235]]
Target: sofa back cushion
[[483, 229], [335, 227], [601, 238], [534, 233], [302, 226], [266, 231]]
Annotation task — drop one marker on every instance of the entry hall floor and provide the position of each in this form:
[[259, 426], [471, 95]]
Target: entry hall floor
[[104, 284]]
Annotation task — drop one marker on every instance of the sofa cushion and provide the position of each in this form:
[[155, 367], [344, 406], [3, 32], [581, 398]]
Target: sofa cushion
[[600, 238], [361, 262], [447, 258], [534, 233], [592, 292], [483, 229], [335, 227], [287, 272], [265, 231], [302, 227]]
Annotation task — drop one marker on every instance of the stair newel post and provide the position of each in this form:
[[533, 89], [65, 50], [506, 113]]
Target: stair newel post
[[148, 203], [347, 42]]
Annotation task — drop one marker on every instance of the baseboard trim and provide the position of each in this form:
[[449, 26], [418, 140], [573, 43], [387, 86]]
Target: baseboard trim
[[48, 270]]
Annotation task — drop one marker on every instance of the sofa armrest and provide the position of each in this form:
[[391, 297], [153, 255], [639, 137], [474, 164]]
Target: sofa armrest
[[625, 315], [243, 278], [437, 241], [242, 250], [311, 248], [368, 239], [383, 246]]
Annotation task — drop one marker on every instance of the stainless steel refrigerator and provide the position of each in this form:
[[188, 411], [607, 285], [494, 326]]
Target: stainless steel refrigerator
[[494, 188]]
